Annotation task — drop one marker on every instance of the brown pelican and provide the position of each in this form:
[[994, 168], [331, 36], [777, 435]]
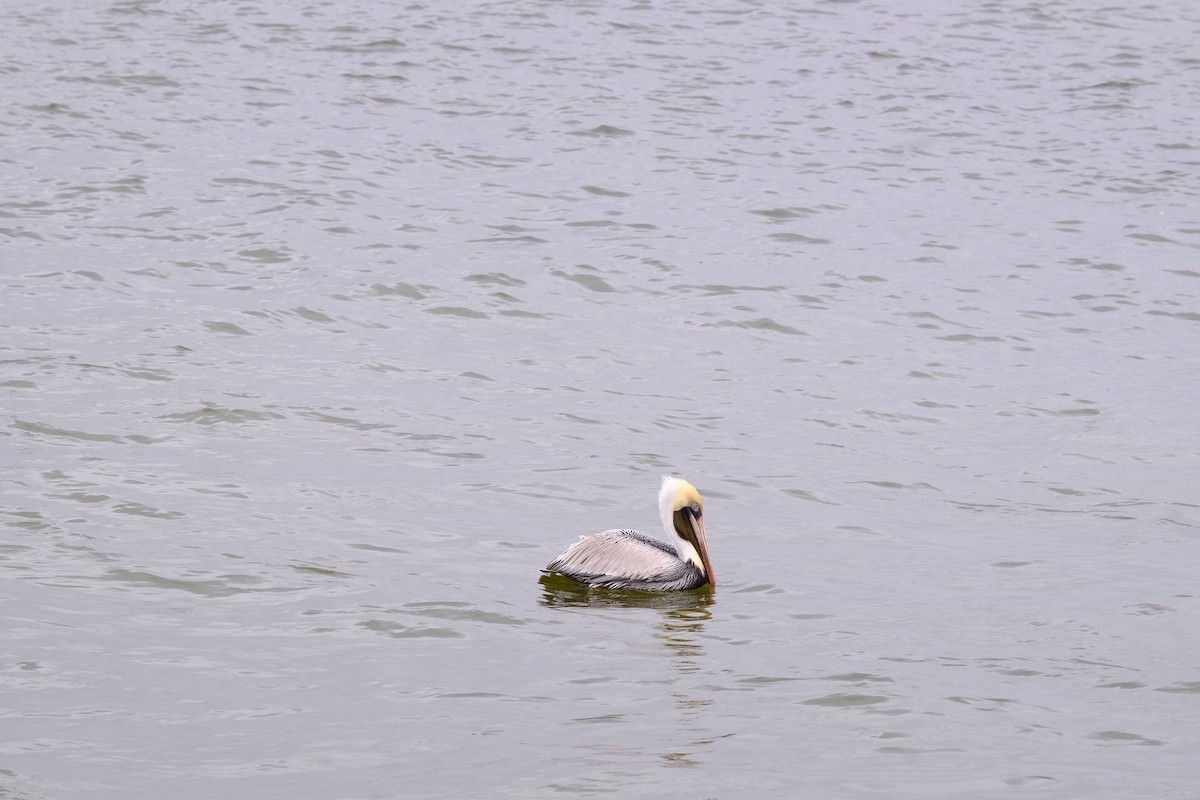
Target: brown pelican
[[620, 559]]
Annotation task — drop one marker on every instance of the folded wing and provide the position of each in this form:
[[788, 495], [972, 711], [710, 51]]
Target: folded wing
[[620, 559]]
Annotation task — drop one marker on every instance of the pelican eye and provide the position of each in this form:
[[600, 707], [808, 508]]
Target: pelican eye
[[696, 509]]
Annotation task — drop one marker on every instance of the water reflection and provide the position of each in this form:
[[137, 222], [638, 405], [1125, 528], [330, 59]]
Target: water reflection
[[681, 628], [559, 591], [682, 621]]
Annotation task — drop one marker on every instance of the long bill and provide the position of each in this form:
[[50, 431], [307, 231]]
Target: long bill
[[693, 532]]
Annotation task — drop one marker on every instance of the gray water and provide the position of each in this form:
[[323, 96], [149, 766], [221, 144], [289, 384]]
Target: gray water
[[324, 326]]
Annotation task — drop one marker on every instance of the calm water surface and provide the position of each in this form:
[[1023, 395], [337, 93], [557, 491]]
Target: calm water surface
[[324, 326]]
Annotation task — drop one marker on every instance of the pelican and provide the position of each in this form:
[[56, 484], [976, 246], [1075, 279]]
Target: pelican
[[620, 559]]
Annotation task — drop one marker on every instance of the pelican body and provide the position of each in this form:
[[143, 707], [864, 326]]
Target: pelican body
[[621, 559]]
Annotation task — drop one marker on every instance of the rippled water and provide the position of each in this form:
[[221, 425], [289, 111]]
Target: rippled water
[[323, 327]]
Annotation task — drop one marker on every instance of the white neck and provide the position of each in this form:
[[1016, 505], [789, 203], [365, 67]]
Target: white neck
[[666, 511]]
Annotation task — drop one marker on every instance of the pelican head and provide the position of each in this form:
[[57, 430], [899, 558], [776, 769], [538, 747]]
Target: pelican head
[[682, 511]]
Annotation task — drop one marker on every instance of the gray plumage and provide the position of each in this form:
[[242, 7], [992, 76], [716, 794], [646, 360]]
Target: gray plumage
[[618, 559]]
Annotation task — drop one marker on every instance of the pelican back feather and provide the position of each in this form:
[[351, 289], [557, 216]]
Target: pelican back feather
[[619, 559]]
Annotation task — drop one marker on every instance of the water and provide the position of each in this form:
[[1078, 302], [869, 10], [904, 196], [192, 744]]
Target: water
[[325, 326]]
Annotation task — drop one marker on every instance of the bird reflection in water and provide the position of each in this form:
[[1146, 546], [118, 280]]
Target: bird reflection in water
[[559, 591], [682, 621]]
